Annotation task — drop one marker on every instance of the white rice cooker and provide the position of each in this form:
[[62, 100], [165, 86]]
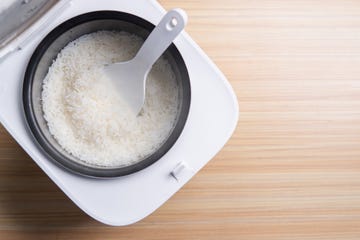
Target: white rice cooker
[[128, 197]]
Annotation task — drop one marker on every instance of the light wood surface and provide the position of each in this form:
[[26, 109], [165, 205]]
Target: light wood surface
[[292, 168]]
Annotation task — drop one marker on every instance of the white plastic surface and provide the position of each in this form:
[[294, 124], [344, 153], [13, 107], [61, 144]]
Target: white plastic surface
[[181, 171], [121, 201], [130, 77]]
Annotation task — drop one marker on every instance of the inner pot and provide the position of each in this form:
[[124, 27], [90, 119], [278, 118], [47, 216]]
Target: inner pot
[[46, 53]]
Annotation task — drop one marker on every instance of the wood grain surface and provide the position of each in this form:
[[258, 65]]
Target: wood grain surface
[[292, 168]]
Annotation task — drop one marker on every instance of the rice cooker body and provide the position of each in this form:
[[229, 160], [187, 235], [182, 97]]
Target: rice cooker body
[[44, 55]]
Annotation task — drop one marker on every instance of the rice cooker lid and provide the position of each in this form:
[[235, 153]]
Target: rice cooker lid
[[16, 16]]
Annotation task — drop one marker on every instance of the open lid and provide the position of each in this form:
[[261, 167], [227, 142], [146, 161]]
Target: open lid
[[18, 15]]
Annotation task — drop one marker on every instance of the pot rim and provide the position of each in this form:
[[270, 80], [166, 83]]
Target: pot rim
[[32, 121]]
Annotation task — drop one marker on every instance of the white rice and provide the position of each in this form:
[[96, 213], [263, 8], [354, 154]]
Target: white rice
[[87, 116]]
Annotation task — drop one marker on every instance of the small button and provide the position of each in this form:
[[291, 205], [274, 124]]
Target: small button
[[180, 171]]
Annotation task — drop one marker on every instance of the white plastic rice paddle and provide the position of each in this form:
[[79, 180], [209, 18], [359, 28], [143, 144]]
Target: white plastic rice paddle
[[130, 77]]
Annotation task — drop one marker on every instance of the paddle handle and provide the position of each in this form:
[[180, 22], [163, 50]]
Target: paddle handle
[[161, 37]]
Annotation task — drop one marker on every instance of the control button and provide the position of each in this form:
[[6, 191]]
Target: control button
[[181, 170]]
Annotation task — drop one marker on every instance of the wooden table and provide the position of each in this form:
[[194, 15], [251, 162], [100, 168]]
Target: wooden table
[[292, 168]]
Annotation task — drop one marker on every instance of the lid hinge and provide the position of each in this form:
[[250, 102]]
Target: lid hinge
[[20, 40]]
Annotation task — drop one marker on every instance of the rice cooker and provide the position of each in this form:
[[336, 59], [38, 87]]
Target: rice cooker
[[31, 35]]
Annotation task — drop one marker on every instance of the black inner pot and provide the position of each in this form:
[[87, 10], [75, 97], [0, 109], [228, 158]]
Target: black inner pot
[[46, 53]]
